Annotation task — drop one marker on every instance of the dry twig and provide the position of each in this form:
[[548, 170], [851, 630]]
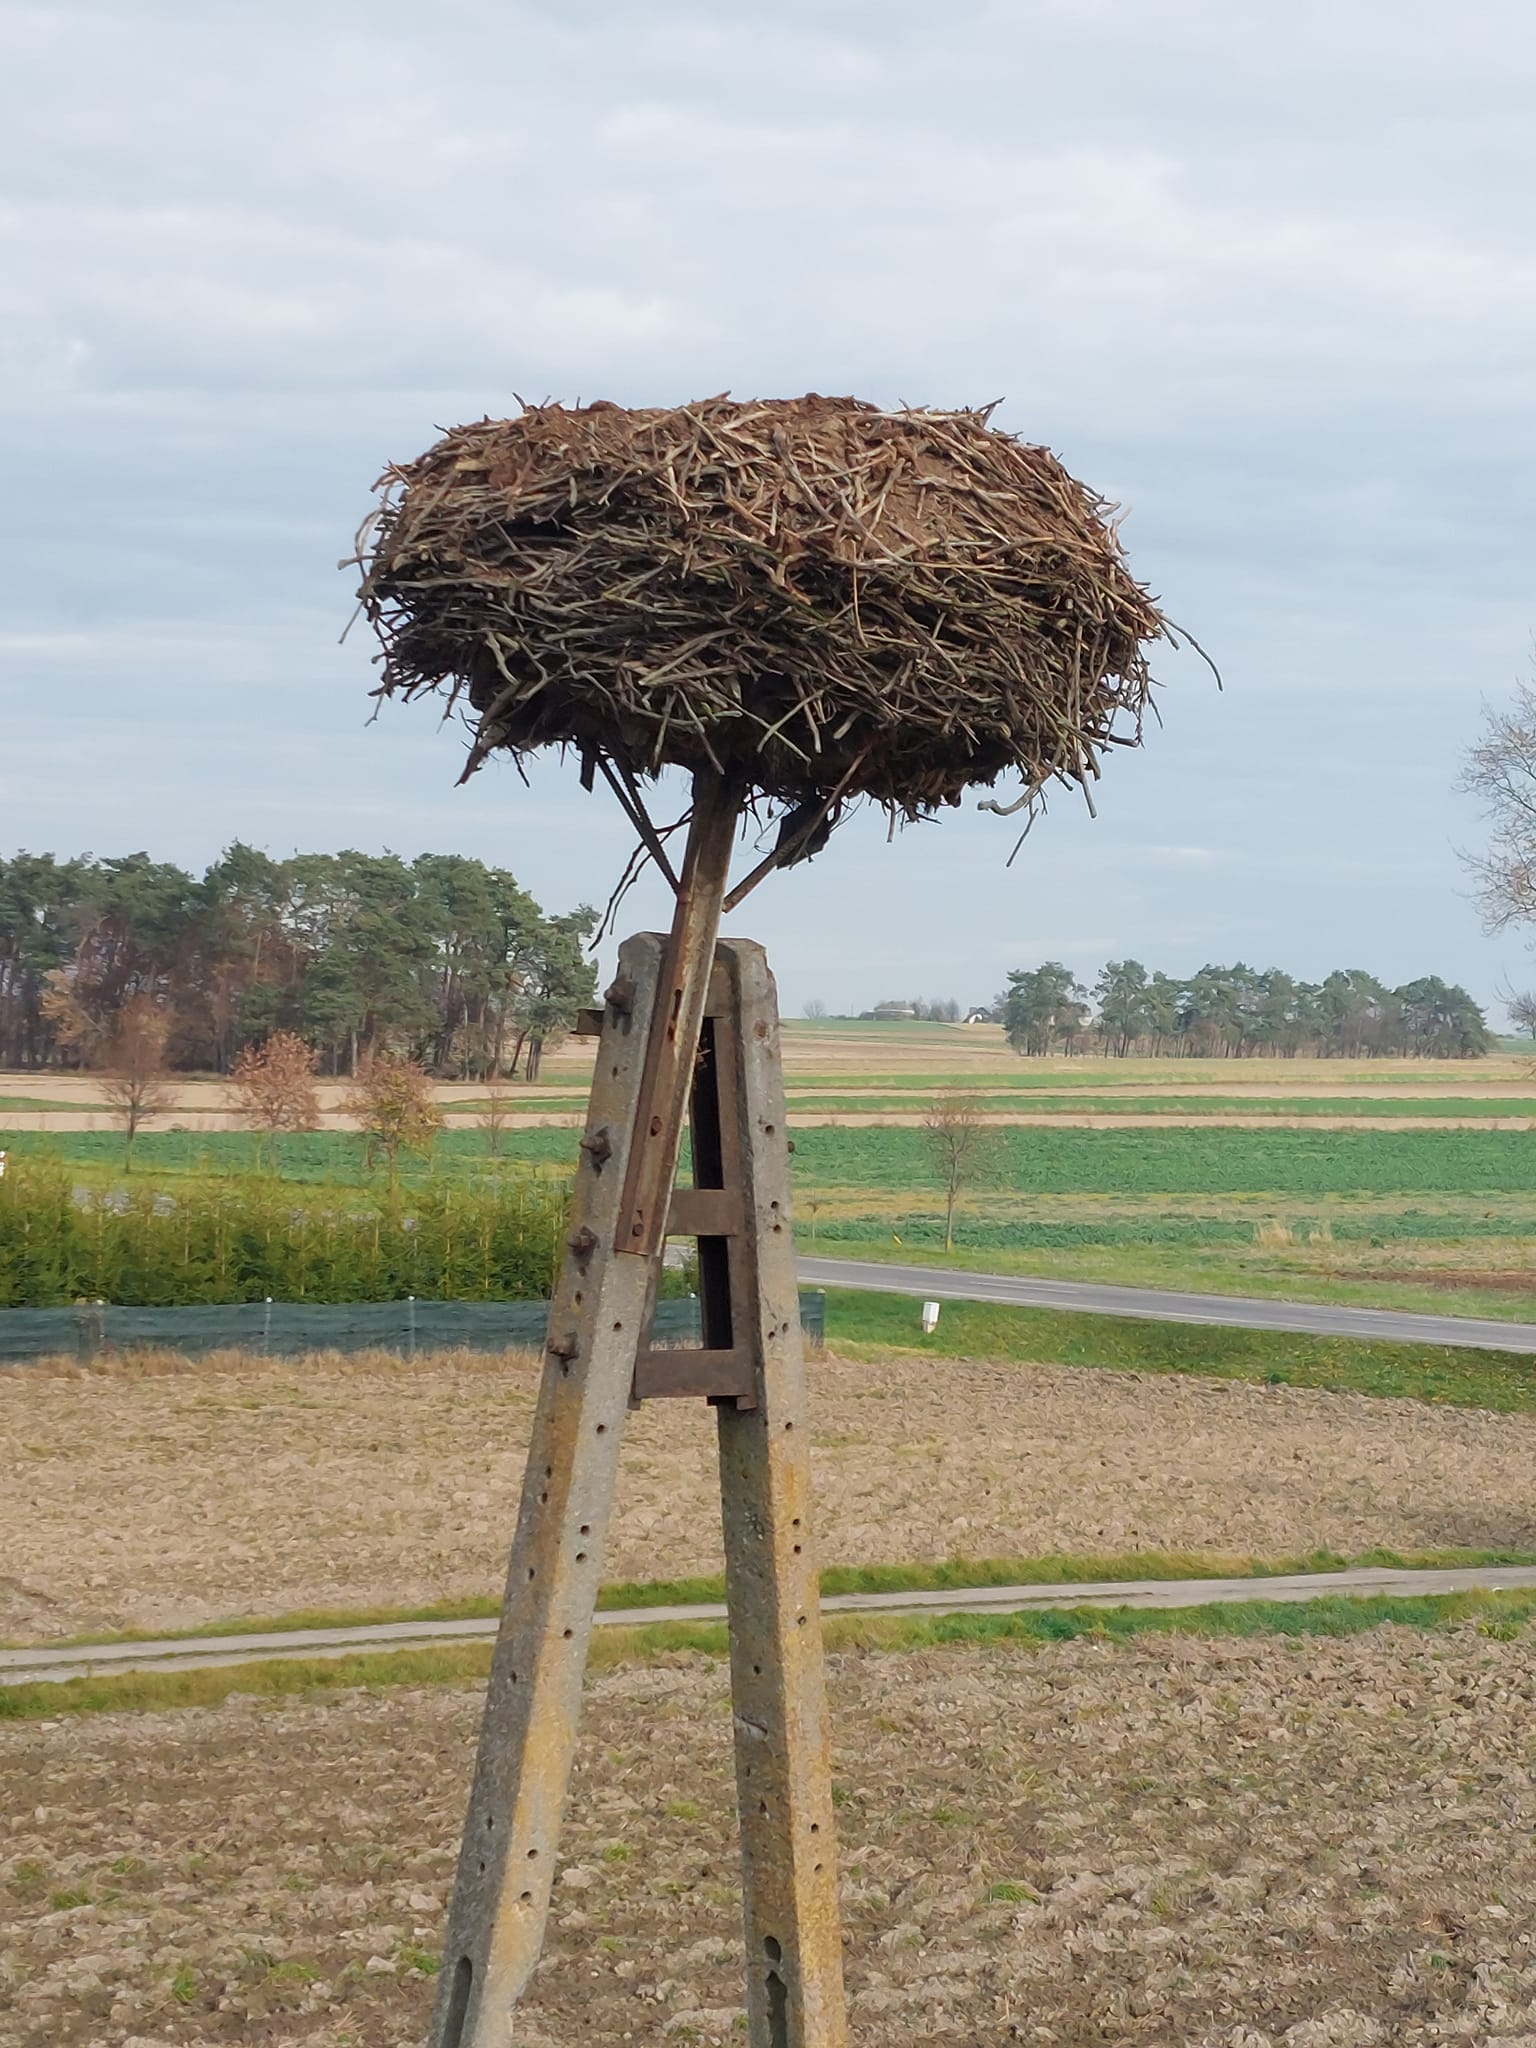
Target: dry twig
[[821, 598]]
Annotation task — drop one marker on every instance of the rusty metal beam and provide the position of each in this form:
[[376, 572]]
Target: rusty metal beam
[[699, 1374], [704, 1212]]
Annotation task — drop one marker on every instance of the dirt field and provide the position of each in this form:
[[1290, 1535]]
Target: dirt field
[[161, 1501], [1326, 1844], [887, 1061], [548, 1120]]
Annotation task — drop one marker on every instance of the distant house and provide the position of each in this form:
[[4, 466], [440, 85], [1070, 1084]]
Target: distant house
[[892, 1013], [978, 1017]]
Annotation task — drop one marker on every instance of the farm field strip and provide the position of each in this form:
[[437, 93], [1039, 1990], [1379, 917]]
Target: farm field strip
[[1039, 1104], [851, 1117], [1498, 1379], [166, 1499], [43, 1665], [1028, 1161], [1185, 1161], [1359, 1797], [1012, 1088], [1280, 1206]]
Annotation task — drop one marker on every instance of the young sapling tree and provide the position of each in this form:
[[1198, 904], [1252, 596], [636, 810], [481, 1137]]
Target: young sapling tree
[[962, 1144], [273, 1085]]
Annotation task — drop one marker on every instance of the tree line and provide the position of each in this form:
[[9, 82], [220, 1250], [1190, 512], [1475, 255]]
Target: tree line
[[1236, 1012], [440, 960]]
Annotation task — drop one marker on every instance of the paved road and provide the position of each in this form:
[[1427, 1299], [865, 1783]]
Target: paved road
[[1239, 1312], [23, 1667]]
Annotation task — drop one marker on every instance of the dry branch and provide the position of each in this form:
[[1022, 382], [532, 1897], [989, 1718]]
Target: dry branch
[[812, 595]]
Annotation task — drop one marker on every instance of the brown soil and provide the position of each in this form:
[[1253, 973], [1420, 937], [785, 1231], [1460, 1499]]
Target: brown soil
[[1448, 1276], [238, 1487], [1322, 1844], [63, 1120]]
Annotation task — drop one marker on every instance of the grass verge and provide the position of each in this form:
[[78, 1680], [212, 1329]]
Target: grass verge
[[946, 1575], [885, 1325], [1218, 1257], [1500, 1615]]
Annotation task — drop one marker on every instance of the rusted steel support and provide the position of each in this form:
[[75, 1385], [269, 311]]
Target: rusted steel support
[[528, 1734], [778, 1689]]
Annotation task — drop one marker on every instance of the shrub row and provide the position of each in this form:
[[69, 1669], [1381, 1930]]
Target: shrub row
[[250, 1240]]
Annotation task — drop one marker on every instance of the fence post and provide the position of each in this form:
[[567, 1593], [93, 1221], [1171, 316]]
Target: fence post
[[266, 1327], [411, 1315], [90, 1329]]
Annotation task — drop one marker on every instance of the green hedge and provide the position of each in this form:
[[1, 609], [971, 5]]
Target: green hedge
[[251, 1239]]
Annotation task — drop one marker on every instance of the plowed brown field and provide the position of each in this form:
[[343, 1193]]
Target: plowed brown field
[[1325, 1844], [162, 1500]]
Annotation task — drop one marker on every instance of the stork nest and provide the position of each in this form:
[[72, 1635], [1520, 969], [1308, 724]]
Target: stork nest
[[813, 597]]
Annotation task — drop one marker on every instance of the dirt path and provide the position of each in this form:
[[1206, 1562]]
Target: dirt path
[[162, 1500], [61, 1120], [1321, 1844]]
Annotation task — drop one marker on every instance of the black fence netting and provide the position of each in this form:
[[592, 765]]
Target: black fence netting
[[284, 1328]]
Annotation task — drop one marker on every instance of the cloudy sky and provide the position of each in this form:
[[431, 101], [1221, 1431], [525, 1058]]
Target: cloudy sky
[[1264, 274]]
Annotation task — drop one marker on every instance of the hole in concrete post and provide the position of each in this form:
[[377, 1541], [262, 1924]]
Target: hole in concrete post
[[778, 1996], [458, 2002]]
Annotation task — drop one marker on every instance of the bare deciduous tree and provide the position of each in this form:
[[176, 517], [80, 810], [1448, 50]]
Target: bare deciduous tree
[[493, 1117], [75, 1030], [394, 1108], [1500, 771], [962, 1145], [273, 1085], [135, 1084]]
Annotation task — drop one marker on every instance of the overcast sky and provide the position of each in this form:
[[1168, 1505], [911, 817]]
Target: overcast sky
[[1265, 274]]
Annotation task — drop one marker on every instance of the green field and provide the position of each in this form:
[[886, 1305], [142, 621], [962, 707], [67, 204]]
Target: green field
[[1459, 1376], [312, 1158], [1042, 1102], [1214, 1162], [1438, 1220], [1028, 1160]]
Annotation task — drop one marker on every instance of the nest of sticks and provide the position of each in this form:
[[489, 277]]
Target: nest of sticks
[[813, 598]]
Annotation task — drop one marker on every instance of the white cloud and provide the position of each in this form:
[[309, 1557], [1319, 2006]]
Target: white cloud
[[1265, 275]]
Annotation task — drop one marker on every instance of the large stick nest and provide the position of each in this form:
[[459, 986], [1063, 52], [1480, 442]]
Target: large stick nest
[[813, 596]]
